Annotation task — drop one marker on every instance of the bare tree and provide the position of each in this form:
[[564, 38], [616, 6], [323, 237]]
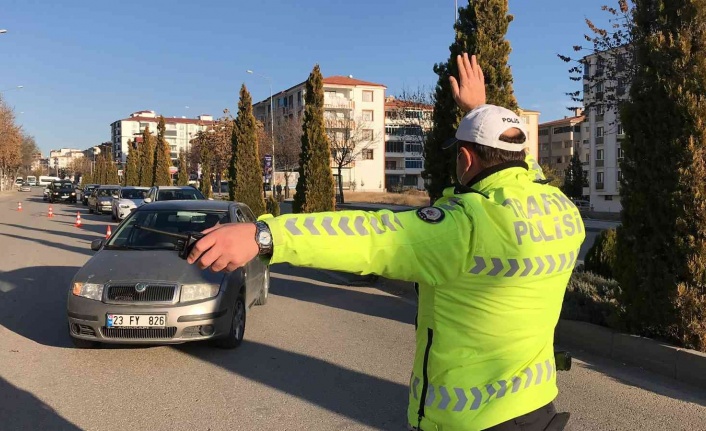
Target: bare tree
[[218, 139], [612, 48], [288, 134], [10, 144], [350, 141]]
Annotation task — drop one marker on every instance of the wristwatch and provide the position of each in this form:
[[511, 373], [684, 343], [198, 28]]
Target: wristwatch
[[263, 238]]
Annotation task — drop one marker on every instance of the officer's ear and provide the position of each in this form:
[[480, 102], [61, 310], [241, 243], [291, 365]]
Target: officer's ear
[[466, 156]]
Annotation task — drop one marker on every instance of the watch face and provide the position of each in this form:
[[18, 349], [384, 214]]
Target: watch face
[[265, 238]]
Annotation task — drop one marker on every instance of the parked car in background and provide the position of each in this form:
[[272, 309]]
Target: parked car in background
[[129, 199], [137, 290], [583, 205], [19, 181], [31, 180], [26, 187], [101, 199], [171, 193], [62, 191], [86, 192]]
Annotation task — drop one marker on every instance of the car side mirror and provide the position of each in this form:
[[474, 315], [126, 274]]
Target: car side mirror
[[115, 196], [96, 244], [148, 200]]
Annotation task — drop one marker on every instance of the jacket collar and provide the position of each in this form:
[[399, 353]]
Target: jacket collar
[[477, 183]]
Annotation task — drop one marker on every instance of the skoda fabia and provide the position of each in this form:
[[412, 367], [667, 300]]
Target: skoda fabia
[[137, 290]]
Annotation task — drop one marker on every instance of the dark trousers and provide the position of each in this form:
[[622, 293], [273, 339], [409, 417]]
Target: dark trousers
[[543, 419]]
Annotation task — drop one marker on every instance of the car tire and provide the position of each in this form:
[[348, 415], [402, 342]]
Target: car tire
[[237, 326], [112, 216], [97, 210], [265, 291]]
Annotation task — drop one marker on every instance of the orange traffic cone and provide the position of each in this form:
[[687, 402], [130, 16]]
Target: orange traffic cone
[[19, 206], [51, 212], [108, 233], [78, 219]]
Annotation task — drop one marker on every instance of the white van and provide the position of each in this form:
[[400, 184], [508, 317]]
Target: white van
[[32, 180], [46, 180]]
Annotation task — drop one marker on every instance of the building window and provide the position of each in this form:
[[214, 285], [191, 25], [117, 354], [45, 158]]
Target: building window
[[367, 134], [588, 157], [599, 177], [608, 197], [563, 129], [367, 154], [390, 165], [567, 144], [367, 115], [599, 154], [620, 176], [558, 159], [367, 96], [600, 109], [413, 163], [525, 119], [543, 132], [413, 148], [599, 131], [394, 147], [620, 129], [620, 153]]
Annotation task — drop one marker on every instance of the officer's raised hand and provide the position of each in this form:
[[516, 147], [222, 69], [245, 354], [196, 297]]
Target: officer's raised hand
[[469, 89], [225, 247]]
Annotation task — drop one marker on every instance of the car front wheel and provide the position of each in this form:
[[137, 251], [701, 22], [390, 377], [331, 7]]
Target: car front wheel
[[237, 326]]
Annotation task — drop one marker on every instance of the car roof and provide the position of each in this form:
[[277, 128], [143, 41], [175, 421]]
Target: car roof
[[176, 187], [196, 204], [109, 186], [134, 188]]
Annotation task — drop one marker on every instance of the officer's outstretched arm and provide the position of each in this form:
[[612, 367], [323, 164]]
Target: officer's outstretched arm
[[430, 245]]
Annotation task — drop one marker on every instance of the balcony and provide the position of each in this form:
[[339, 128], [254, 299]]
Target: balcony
[[338, 103], [600, 163], [600, 186], [332, 123]]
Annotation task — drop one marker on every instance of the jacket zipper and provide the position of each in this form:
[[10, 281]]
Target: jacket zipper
[[425, 376]]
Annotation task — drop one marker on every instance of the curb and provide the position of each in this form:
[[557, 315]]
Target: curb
[[684, 365]]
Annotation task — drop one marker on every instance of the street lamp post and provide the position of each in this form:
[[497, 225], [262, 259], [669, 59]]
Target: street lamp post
[[272, 129]]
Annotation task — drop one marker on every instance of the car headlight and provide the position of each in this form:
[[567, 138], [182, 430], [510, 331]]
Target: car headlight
[[88, 290], [194, 292], [73, 194]]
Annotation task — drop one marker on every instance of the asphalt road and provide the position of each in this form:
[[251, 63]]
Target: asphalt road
[[319, 356]]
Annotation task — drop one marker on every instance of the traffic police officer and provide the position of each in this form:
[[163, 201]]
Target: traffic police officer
[[492, 259]]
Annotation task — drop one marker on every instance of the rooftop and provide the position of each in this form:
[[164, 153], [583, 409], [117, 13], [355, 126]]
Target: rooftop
[[330, 80], [567, 120], [392, 103]]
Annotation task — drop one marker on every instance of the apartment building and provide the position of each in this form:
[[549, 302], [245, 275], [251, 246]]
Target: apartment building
[[605, 130], [407, 124], [560, 139], [62, 158], [351, 107], [531, 120], [179, 131]]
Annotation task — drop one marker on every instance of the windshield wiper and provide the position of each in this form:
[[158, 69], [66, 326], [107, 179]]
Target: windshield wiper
[[185, 243], [123, 247]]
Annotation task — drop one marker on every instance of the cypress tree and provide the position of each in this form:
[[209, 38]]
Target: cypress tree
[[480, 30], [183, 177], [147, 159], [315, 187], [245, 182], [205, 184], [162, 157], [662, 240], [111, 170], [573, 177], [99, 170], [132, 173]]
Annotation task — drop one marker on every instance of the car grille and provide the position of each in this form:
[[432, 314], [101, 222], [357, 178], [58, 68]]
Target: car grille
[[139, 334], [153, 293]]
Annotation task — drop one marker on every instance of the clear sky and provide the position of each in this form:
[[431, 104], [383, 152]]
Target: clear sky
[[85, 64]]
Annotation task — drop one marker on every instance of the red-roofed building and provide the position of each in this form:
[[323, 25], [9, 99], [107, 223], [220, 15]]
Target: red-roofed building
[[347, 101], [560, 139], [179, 131]]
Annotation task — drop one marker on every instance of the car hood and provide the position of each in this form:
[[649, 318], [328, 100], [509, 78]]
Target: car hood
[[105, 199], [143, 265], [133, 202]]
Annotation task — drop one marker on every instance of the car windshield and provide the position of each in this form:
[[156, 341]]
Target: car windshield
[[106, 192], [174, 221], [179, 194], [132, 193]]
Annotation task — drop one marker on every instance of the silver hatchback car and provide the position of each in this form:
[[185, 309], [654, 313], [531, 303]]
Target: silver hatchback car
[[137, 290]]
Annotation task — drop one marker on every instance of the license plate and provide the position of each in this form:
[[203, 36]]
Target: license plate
[[65, 196], [136, 320]]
